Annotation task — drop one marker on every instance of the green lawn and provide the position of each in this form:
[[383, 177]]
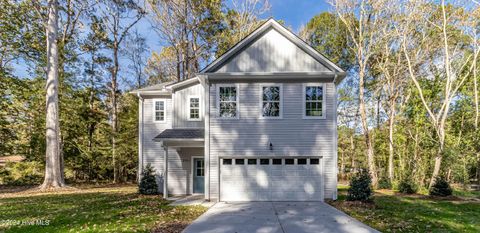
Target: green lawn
[[93, 209], [392, 212]]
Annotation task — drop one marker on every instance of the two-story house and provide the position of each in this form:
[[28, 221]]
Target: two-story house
[[257, 124]]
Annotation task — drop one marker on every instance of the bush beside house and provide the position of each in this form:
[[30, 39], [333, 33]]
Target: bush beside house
[[148, 184], [360, 187]]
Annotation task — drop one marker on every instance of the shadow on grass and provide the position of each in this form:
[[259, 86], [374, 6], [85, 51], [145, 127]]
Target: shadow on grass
[[97, 211], [414, 213]]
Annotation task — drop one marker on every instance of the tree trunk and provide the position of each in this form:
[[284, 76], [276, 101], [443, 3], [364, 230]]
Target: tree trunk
[[391, 121], [53, 166], [438, 158], [368, 141], [352, 145], [114, 111]]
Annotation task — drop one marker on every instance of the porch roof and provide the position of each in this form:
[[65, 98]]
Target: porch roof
[[181, 137], [181, 134]]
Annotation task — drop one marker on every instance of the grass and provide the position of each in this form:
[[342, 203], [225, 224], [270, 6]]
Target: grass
[[393, 212], [92, 209]]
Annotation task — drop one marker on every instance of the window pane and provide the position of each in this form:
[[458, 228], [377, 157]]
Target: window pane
[[264, 161], [289, 161], [194, 103], [228, 93], [239, 161], [271, 93], [314, 161], [277, 161], [228, 109], [227, 161], [271, 109], [301, 161], [159, 105], [252, 161], [319, 93]]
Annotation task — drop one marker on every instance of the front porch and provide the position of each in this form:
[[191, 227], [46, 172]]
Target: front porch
[[184, 167]]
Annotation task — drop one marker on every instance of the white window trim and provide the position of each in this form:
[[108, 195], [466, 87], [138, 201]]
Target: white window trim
[[190, 108], [261, 100], [164, 110], [218, 100], [324, 101]]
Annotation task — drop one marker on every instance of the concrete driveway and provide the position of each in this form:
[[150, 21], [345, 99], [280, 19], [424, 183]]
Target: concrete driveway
[[278, 217]]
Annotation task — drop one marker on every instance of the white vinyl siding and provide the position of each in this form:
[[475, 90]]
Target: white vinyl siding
[[271, 101], [159, 111], [313, 101], [273, 52], [291, 135]]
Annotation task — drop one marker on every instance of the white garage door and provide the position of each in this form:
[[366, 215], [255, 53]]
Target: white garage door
[[271, 179]]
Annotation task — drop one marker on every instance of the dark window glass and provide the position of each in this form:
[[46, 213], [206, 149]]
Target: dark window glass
[[314, 161], [227, 161], [239, 161], [289, 161], [301, 161], [265, 161], [277, 161], [252, 161]]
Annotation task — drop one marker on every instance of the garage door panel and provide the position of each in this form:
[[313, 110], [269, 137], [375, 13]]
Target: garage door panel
[[261, 182]]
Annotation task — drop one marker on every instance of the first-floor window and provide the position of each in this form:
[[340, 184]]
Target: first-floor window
[[314, 99], [194, 108], [271, 104], [227, 101], [159, 110]]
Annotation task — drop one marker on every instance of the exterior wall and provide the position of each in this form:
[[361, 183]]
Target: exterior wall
[[179, 166], [291, 136], [272, 52], [181, 104]]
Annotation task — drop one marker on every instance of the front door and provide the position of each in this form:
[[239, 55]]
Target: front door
[[198, 175]]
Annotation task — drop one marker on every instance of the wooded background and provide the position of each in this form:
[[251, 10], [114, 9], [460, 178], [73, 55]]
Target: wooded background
[[408, 109]]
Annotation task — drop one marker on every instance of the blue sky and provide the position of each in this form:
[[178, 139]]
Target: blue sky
[[294, 13]]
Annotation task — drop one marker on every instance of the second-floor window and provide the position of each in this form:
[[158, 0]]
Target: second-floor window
[[271, 103], [227, 101], [159, 110], [194, 113], [314, 101]]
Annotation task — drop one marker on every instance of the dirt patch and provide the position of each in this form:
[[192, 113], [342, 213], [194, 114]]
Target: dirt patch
[[353, 204], [171, 227]]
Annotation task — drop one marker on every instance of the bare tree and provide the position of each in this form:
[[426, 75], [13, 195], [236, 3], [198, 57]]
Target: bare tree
[[118, 16], [362, 20], [432, 52], [135, 51], [53, 171], [393, 80]]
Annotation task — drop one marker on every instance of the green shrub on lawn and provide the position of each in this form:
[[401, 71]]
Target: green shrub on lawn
[[407, 186], [384, 183], [21, 173], [148, 184], [440, 188], [360, 187]]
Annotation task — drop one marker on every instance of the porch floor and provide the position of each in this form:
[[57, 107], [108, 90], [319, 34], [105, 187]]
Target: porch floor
[[196, 199]]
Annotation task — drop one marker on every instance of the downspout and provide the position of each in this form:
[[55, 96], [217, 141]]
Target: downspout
[[335, 139], [140, 137]]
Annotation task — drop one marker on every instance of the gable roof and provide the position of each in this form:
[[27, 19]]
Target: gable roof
[[259, 32]]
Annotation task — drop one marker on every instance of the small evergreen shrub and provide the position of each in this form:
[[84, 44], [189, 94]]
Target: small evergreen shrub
[[360, 187], [148, 184], [440, 188], [384, 183], [407, 186]]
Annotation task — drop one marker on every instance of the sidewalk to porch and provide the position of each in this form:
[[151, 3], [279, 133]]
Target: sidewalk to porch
[[196, 199]]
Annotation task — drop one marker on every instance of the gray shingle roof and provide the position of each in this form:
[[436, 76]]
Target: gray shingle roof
[[181, 134]]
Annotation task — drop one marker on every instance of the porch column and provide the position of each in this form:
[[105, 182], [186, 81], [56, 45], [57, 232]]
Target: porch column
[[165, 175]]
